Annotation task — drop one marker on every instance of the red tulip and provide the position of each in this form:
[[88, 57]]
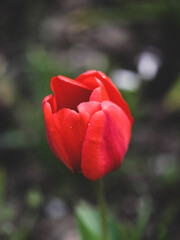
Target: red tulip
[[88, 123]]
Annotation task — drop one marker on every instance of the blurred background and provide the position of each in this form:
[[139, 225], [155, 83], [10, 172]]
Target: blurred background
[[137, 44]]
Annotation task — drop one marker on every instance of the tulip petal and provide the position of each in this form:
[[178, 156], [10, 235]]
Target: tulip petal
[[114, 94], [106, 141], [65, 132], [68, 93], [47, 105], [87, 110], [99, 94]]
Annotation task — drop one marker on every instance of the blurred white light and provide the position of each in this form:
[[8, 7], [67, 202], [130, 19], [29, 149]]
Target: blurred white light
[[56, 209], [125, 79], [148, 64], [165, 162]]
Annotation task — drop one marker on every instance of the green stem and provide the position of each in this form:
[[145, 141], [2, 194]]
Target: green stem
[[102, 209]]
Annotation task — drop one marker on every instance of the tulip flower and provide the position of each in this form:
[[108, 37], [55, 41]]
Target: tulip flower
[[88, 123]]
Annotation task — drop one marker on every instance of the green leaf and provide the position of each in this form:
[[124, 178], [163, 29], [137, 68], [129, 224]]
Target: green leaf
[[89, 225], [88, 222], [142, 220], [116, 232]]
